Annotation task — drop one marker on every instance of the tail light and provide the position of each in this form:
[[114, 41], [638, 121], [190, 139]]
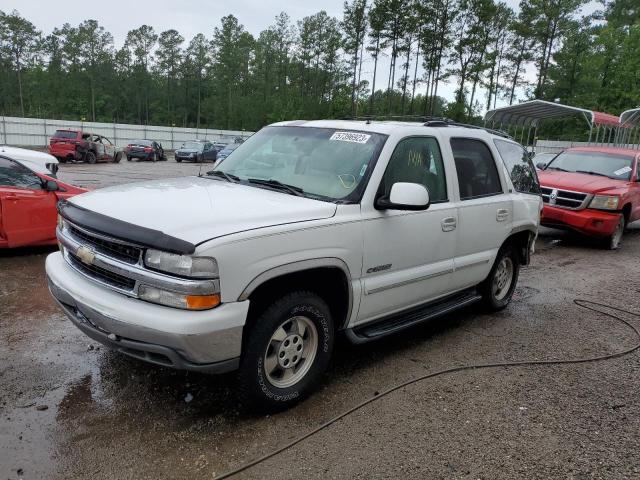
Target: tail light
[[148, 149]]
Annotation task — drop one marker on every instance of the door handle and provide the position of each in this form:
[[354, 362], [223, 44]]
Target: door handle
[[502, 214], [12, 197], [449, 224]]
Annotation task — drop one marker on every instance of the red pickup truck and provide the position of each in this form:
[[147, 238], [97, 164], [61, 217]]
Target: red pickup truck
[[592, 190]]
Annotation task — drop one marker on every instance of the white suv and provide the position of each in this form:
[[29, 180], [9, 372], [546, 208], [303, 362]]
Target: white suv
[[307, 229]]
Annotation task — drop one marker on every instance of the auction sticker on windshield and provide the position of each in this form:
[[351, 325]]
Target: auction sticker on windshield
[[350, 137], [622, 171]]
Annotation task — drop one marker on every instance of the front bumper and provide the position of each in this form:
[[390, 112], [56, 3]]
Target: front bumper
[[207, 341], [590, 222]]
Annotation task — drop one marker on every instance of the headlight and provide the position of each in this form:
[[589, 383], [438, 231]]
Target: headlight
[[178, 300], [605, 202], [183, 265]]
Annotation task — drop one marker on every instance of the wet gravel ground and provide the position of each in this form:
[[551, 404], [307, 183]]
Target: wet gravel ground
[[71, 409]]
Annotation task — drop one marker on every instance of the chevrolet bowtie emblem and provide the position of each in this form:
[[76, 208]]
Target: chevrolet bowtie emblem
[[85, 255]]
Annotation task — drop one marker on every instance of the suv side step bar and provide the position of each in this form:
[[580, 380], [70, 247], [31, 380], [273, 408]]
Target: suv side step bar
[[407, 318]]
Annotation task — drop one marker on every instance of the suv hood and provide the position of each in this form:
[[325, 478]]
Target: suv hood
[[579, 182], [199, 209]]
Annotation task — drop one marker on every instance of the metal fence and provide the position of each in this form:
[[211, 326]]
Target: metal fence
[[36, 132]]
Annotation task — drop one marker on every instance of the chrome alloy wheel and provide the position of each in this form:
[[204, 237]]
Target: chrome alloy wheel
[[291, 351], [502, 278]]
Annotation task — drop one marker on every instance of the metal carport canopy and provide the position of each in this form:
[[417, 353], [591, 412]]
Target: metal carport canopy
[[630, 118], [533, 111]]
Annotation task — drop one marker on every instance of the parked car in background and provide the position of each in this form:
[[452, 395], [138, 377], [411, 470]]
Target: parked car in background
[[28, 201], [145, 150], [37, 161], [308, 229], [226, 151], [196, 151], [78, 146], [592, 190]]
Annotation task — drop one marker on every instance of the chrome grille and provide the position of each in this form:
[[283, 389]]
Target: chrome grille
[[564, 198], [121, 251], [105, 276], [119, 265]]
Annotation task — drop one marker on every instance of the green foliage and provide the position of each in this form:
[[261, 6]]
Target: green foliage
[[323, 67]]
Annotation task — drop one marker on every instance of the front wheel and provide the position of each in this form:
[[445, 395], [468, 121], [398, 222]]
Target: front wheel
[[613, 241], [90, 157], [286, 352], [117, 157], [497, 289]]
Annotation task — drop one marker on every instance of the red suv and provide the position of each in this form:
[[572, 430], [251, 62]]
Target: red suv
[[593, 190], [79, 146]]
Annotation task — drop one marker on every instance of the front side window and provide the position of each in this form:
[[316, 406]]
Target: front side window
[[618, 167], [417, 160], [520, 167], [13, 174], [324, 163], [477, 173]]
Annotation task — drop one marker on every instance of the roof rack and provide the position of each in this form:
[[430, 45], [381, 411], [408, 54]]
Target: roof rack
[[447, 122], [429, 121]]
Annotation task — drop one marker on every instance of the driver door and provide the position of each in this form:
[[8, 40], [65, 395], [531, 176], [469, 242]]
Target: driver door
[[409, 255], [28, 212]]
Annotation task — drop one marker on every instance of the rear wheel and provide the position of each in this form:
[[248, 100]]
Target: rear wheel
[[498, 287], [613, 241], [90, 157], [128, 158], [286, 352], [117, 157]]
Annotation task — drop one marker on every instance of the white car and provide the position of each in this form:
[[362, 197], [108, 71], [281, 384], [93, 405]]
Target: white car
[[37, 161], [310, 228]]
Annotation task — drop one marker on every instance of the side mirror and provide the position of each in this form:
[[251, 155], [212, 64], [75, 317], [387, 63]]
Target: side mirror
[[405, 196], [51, 186], [541, 165]]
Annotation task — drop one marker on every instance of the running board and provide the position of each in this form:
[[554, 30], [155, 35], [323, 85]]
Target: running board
[[408, 318]]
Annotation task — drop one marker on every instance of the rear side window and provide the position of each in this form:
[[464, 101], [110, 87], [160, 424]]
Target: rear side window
[[477, 173], [520, 167]]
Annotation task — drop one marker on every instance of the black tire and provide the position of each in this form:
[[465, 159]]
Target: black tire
[[497, 300], [256, 390], [62, 159], [128, 158], [90, 157], [614, 241], [179, 160], [154, 157], [117, 157]]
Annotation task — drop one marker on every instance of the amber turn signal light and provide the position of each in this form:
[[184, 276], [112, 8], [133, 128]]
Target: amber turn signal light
[[202, 302]]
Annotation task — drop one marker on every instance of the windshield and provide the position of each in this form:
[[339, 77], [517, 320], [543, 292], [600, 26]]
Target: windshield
[[192, 145], [142, 142], [595, 163], [65, 134], [323, 163]]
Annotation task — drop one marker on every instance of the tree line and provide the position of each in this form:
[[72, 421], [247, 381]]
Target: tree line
[[326, 67]]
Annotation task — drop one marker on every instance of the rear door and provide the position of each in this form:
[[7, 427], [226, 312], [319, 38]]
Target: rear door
[[485, 210], [28, 211]]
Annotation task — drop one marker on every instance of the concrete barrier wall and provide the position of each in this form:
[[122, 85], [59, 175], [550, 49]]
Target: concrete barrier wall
[[36, 132]]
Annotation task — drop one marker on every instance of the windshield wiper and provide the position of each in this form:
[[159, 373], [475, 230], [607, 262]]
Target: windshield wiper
[[590, 172], [276, 184], [227, 176], [556, 168]]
